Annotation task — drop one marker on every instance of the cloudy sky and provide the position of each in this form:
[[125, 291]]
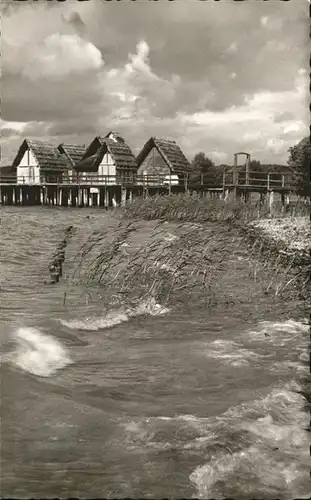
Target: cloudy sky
[[218, 77]]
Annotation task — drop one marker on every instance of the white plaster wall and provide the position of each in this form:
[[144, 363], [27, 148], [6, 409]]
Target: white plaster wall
[[107, 167], [28, 170]]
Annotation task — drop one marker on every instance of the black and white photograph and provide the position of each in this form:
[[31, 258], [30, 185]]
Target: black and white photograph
[[155, 249]]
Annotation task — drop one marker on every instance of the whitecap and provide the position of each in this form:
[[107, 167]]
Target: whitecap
[[277, 332], [117, 316], [231, 353], [38, 353]]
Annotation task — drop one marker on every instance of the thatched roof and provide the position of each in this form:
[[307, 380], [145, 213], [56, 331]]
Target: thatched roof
[[46, 154], [73, 152], [170, 152], [120, 152], [93, 147]]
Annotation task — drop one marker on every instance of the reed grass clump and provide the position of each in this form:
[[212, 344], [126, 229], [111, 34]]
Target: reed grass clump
[[192, 263], [166, 269], [196, 208]]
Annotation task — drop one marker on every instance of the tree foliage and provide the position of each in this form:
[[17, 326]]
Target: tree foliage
[[299, 161], [203, 169]]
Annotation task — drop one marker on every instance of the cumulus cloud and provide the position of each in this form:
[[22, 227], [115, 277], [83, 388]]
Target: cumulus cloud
[[254, 125], [62, 55], [214, 77]]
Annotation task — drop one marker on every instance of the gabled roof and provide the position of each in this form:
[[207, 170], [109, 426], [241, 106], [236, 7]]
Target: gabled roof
[[120, 152], [93, 148], [46, 154], [170, 152], [73, 152]]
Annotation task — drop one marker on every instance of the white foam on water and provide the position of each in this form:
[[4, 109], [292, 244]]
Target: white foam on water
[[274, 459], [256, 449], [38, 353], [94, 323], [151, 307], [279, 333], [250, 473], [286, 367], [231, 353], [117, 316]]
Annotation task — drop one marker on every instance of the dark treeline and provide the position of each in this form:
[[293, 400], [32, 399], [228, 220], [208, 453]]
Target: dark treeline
[[297, 169], [204, 169]]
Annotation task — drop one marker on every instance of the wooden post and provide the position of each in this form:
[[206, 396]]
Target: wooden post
[[123, 196], [271, 201], [268, 181], [223, 184], [45, 195], [287, 199], [283, 180], [202, 179], [234, 175], [247, 164]]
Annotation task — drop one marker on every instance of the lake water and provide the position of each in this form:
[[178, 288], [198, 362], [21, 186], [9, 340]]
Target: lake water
[[148, 400]]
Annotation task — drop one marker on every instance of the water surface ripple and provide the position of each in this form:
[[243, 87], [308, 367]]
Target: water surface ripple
[[144, 403]]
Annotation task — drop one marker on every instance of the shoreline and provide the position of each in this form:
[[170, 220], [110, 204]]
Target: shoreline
[[289, 235]]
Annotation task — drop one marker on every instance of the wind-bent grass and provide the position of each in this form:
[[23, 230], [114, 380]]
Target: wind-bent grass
[[164, 269], [195, 208], [172, 270], [289, 270]]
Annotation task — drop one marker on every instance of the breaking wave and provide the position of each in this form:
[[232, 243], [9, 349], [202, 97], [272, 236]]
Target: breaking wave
[[259, 448], [277, 332], [38, 353], [231, 353], [117, 316]]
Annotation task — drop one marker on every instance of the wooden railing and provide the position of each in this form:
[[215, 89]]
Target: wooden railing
[[268, 181]]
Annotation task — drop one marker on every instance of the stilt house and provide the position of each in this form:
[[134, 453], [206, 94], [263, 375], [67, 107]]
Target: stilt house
[[108, 160], [162, 162], [74, 154], [39, 162]]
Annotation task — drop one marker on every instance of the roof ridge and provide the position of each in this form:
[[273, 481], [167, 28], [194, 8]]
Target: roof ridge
[[164, 140]]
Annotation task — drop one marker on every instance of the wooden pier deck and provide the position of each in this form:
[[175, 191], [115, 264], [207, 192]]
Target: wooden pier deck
[[106, 191]]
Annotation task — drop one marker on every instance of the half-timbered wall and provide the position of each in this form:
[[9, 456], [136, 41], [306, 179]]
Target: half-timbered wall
[[28, 170], [106, 173]]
